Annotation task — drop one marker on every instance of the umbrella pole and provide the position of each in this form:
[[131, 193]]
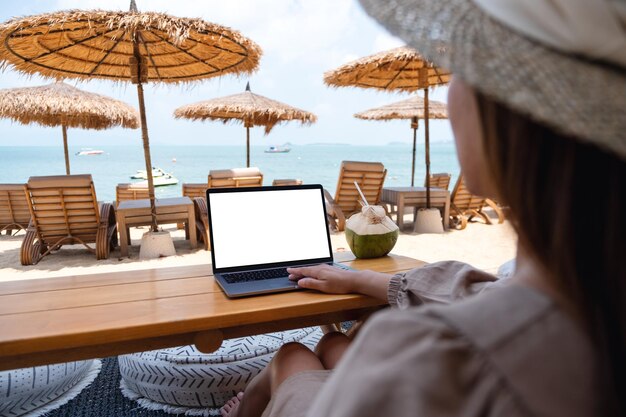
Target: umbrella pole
[[427, 143], [139, 73], [414, 126], [247, 147], [146, 153], [67, 154]]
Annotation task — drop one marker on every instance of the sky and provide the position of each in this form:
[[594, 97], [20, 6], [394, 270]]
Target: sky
[[300, 39]]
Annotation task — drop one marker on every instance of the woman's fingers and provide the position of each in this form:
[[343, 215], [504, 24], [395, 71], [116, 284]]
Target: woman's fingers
[[304, 271], [322, 277], [311, 284]]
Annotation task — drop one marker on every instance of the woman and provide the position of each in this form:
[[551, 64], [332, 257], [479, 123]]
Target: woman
[[538, 110]]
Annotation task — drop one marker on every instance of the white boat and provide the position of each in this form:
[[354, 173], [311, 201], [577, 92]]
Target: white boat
[[277, 149], [142, 175], [86, 151], [161, 181]]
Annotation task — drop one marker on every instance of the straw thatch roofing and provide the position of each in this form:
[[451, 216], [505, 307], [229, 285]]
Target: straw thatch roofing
[[395, 69], [59, 104], [99, 44], [406, 109], [248, 108]]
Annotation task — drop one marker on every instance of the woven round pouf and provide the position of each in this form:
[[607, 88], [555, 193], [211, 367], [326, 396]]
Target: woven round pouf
[[41, 389], [184, 380]]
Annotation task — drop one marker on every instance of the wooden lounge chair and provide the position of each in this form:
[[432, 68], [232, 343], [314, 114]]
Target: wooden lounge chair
[[464, 206], [64, 210], [127, 191], [440, 180], [193, 190], [237, 177], [14, 213], [219, 178], [279, 182], [496, 208], [369, 175]]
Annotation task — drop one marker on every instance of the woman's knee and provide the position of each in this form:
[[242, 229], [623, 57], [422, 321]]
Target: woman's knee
[[330, 341], [290, 359], [331, 347], [290, 347], [291, 351]]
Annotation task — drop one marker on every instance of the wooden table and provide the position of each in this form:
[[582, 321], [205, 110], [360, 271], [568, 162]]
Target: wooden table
[[133, 213], [71, 318], [416, 197]]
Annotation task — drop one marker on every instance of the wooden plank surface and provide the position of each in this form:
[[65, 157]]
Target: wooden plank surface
[[77, 317], [102, 279], [160, 202]]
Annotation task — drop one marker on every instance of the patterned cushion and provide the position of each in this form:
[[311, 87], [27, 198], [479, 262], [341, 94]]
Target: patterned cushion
[[41, 389], [182, 379]]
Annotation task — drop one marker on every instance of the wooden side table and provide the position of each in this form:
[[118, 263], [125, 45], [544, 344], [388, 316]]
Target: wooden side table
[[133, 213], [416, 197]]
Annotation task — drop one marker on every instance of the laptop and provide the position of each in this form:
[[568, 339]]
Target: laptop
[[257, 232]]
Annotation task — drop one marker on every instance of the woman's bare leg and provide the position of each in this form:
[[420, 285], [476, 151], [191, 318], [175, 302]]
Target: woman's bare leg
[[290, 359], [331, 348]]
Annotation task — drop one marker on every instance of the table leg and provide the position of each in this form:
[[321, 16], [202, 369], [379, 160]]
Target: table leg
[[446, 213], [124, 235], [191, 223], [400, 212]]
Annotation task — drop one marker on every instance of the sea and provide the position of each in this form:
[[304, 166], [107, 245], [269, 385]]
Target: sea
[[314, 163]]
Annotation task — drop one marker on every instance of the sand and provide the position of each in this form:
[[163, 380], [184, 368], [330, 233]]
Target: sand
[[484, 246]]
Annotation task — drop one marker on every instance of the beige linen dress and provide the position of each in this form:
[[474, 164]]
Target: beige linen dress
[[505, 351]]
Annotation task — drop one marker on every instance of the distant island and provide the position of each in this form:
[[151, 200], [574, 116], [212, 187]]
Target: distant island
[[328, 144]]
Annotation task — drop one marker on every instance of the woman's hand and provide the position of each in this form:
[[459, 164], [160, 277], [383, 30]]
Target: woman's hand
[[324, 278], [333, 280]]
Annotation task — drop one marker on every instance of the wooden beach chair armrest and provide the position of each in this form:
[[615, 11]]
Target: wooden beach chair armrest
[[201, 212], [107, 215], [31, 226], [329, 198], [106, 237], [335, 211]]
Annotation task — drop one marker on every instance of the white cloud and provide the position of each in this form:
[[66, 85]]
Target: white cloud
[[385, 41]]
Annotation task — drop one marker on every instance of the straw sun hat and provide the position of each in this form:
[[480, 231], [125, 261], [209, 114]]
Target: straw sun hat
[[561, 62]]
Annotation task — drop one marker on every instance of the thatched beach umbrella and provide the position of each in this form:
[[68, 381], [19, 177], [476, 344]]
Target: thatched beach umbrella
[[398, 69], [60, 104], [414, 109], [248, 108], [125, 46]]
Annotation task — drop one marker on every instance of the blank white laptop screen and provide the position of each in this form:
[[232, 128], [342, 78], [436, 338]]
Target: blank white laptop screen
[[261, 227]]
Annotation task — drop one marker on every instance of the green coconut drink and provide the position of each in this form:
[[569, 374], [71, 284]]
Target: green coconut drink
[[370, 233]]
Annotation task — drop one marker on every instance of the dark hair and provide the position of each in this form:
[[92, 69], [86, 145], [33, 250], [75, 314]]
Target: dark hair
[[568, 206]]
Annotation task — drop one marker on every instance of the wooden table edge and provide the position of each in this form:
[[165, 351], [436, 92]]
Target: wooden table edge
[[99, 346], [9, 362]]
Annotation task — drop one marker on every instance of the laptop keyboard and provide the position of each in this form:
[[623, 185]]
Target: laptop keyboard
[[237, 277]]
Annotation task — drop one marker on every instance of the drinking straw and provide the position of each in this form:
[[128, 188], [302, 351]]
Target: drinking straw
[[361, 193]]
